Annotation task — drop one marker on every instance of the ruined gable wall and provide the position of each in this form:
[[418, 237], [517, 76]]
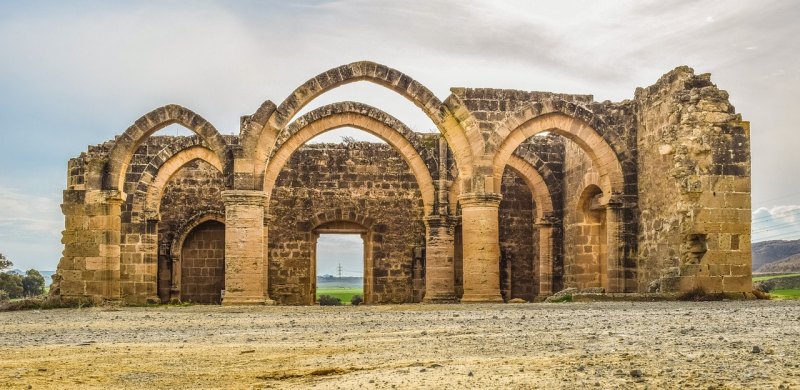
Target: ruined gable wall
[[694, 170], [358, 179]]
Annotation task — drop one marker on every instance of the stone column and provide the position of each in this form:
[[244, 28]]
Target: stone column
[[245, 248], [614, 247], [481, 242], [545, 230], [439, 264]]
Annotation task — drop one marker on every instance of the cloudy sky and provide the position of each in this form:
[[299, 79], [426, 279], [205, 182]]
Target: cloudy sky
[[77, 73]]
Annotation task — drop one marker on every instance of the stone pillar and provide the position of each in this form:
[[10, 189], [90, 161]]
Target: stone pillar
[[90, 266], [439, 264], [545, 230], [481, 242], [245, 248], [614, 246]]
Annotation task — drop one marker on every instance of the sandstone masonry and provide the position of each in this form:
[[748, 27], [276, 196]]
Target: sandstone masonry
[[518, 195]]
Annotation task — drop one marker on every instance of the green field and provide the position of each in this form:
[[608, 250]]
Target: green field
[[793, 293], [343, 293], [785, 294], [768, 277]]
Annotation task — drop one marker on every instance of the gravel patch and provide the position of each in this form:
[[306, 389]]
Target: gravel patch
[[737, 344]]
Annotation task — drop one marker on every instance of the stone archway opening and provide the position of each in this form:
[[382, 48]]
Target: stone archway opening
[[379, 190], [591, 249], [339, 261], [202, 264]]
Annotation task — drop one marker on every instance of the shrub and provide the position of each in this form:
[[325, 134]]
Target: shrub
[[560, 299], [44, 303], [356, 300], [4, 296], [12, 284], [327, 300], [699, 294], [764, 286]]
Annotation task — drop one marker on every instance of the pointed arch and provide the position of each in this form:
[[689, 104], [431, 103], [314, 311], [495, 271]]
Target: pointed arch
[[537, 186], [262, 128], [156, 185], [193, 222], [363, 117], [113, 177], [579, 127]]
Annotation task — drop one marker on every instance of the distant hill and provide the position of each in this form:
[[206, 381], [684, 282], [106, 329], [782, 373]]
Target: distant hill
[[328, 281], [771, 251], [789, 264]]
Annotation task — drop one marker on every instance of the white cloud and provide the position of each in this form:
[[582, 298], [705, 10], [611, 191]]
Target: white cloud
[[30, 229], [776, 223], [344, 249]]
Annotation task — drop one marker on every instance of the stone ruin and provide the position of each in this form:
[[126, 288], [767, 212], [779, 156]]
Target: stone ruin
[[518, 195]]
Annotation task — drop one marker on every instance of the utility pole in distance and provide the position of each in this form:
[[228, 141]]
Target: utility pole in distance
[[339, 270]]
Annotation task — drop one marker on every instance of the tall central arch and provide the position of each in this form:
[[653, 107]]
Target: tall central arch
[[270, 121], [379, 287], [361, 116]]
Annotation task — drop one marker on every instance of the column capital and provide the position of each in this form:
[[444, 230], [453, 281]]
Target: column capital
[[547, 220], [477, 199], [244, 197], [152, 216], [105, 196], [438, 220], [615, 201]]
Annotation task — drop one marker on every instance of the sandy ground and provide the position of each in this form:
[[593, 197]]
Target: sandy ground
[[569, 345]]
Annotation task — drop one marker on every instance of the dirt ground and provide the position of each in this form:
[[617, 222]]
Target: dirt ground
[[752, 344]]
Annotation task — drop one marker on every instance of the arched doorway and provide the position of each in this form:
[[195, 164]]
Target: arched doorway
[[344, 228], [590, 268], [202, 263]]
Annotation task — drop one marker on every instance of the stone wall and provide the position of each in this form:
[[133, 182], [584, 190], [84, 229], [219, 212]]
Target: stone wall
[[585, 251], [362, 183], [645, 195], [694, 159], [203, 264], [518, 240], [194, 191]]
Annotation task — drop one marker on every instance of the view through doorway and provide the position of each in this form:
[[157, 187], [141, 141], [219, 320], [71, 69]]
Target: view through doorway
[[340, 266]]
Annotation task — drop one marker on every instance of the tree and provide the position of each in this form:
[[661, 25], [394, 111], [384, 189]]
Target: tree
[[12, 284], [32, 283], [5, 263]]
